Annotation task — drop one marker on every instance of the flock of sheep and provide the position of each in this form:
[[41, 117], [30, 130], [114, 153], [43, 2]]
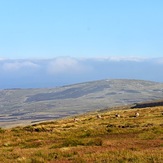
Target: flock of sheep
[[117, 115]]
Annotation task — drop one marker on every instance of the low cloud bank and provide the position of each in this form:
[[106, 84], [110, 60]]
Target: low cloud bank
[[66, 65], [67, 70], [18, 65]]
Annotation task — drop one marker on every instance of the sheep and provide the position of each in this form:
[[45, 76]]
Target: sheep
[[137, 114], [99, 116], [117, 115], [76, 119]]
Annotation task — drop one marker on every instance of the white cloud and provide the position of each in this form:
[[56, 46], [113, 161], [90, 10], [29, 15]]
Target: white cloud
[[119, 59], [17, 65], [134, 59], [66, 65], [2, 59]]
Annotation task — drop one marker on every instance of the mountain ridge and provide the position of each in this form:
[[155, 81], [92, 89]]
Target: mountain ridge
[[19, 106]]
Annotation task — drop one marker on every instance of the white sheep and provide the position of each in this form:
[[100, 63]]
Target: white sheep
[[117, 115], [99, 116], [76, 119], [137, 114]]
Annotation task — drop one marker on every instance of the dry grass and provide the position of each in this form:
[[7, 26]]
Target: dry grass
[[89, 139]]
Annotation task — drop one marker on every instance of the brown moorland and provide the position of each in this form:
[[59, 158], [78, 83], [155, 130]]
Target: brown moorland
[[88, 138]]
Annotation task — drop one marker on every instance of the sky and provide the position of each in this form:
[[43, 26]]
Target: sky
[[39, 29], [59, 42]]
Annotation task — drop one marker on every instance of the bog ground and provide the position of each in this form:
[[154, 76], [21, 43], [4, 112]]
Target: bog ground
[[89, 138]]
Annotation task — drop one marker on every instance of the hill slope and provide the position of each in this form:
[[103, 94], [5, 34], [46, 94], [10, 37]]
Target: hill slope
[[88, 138], [19, 106]]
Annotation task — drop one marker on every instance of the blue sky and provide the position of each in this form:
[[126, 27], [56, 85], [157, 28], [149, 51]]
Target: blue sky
[[87, 28]]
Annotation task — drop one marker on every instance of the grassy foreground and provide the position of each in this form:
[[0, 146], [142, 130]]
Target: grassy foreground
[[88, 139]]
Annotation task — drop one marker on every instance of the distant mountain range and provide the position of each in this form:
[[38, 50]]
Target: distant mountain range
[[21, 106]]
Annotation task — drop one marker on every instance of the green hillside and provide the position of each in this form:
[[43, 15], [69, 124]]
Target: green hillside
[[92, 137], [25, 106]]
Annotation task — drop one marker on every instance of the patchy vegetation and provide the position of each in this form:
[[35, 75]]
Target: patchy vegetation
[[26, 106], [90, 138]]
